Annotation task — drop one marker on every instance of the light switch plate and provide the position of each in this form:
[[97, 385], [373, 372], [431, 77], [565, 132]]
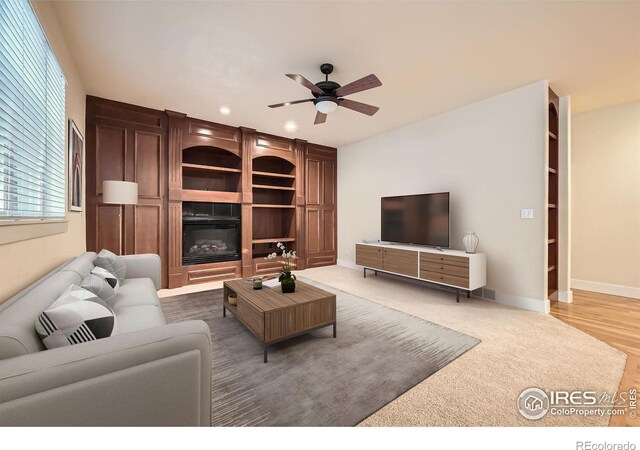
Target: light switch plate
[[526, 213]]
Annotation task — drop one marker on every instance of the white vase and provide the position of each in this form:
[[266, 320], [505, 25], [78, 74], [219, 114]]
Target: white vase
[[470, 242]]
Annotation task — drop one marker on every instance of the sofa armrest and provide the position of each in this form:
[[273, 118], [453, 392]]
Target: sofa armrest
[[158, 376], [144, 266]]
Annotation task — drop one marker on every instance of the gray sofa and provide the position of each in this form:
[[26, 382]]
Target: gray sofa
[[150, 373]]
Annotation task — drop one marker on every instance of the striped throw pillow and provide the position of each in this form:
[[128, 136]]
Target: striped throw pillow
[[77, 316]]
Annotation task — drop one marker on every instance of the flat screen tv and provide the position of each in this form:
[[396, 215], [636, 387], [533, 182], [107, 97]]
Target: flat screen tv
[[416, 219]]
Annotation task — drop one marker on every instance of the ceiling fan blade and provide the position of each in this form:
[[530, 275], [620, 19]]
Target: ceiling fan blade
[[306, 83], [368, 82], [320, 118], [363, 108], [278, 105]]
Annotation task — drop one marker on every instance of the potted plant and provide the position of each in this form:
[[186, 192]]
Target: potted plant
[[287, 279]]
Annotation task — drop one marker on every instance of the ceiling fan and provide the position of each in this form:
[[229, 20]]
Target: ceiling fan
[[328, 95]]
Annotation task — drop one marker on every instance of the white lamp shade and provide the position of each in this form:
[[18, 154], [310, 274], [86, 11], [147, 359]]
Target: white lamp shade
[[326, 107], [120, 192]]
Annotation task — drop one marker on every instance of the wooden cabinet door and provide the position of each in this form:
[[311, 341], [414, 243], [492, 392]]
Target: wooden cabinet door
[[320, 206], [369, 256], [404, 262], [126, 143]]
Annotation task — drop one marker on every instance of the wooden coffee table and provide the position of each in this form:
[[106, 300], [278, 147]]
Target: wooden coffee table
[[273, 316]]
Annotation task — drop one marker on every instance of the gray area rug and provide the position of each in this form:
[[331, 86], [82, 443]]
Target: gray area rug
[[315, 380]]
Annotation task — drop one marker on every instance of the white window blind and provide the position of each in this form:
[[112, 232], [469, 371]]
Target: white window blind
[[32, 118]]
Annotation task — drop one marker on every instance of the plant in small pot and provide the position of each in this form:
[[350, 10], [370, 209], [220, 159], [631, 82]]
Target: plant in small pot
[[287, 279]]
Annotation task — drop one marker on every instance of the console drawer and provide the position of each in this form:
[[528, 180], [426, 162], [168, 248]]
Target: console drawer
[[445, 279], [459, 261], [446, 269]]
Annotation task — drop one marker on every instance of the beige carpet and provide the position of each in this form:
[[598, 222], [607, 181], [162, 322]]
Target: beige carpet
[[519, 349]]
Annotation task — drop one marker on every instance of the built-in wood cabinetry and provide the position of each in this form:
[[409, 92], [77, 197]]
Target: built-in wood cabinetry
[[552, 201], [320, 205], [452, 268], [285, 189], [127, 143]]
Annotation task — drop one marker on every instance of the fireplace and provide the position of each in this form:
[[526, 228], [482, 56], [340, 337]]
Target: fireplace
[[210, 232]]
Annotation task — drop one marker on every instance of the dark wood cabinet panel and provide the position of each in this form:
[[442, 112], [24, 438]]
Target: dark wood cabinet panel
[[149, 167], [314, 230], [108, 233], [329, 230], [313, 181], [110, 155], [148, 228], [320, 207], [329, 183]]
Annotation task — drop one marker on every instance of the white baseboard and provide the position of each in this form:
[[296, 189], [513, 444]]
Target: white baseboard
[[528, 303], [346, 263], [603, 288]]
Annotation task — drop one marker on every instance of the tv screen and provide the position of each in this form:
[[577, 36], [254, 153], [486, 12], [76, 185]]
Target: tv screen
[[416, 219]]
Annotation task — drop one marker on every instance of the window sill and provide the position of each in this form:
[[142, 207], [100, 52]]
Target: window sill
[[15, 231]]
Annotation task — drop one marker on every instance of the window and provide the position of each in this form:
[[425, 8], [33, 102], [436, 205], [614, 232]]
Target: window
[[32, 118]]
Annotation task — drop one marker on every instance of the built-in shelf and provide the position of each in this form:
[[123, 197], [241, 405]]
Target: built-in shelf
[[193, 195], [270, 240], [552, 170], [551, 268], [210, 168], [273, 206], [552, 136], [273, 175], [275, 188], [552, 206], [551, 241]]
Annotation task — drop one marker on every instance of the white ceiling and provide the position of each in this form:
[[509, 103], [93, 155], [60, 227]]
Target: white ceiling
[[431, 57]]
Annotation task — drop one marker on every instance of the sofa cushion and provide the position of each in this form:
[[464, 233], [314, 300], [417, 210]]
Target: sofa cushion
[[135, 292], [98, 286], [136, 318], [110, 261], [107, 276], [77, 316], [81, 264], [17, 333]]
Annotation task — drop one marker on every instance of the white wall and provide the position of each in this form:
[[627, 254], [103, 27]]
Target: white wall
[[491, 156], [25, 261], [606, 200]]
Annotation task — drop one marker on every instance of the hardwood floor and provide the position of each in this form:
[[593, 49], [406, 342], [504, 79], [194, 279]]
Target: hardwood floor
[[614, 320]]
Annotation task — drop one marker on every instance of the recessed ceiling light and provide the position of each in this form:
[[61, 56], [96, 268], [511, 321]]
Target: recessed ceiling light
[[224, 110], [290, 126]]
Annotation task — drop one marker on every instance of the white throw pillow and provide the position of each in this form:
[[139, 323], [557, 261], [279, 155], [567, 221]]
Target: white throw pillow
[[114, 264], [107, 276], [77, 316], [99, 285]]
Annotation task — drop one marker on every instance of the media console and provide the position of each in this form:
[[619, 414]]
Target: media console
[[452, 268]]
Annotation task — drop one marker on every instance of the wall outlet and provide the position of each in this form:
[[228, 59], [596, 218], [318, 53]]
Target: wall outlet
[[526, 213]]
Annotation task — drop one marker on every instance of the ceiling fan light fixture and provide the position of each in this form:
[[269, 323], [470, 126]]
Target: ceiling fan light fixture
[[326, 105]]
